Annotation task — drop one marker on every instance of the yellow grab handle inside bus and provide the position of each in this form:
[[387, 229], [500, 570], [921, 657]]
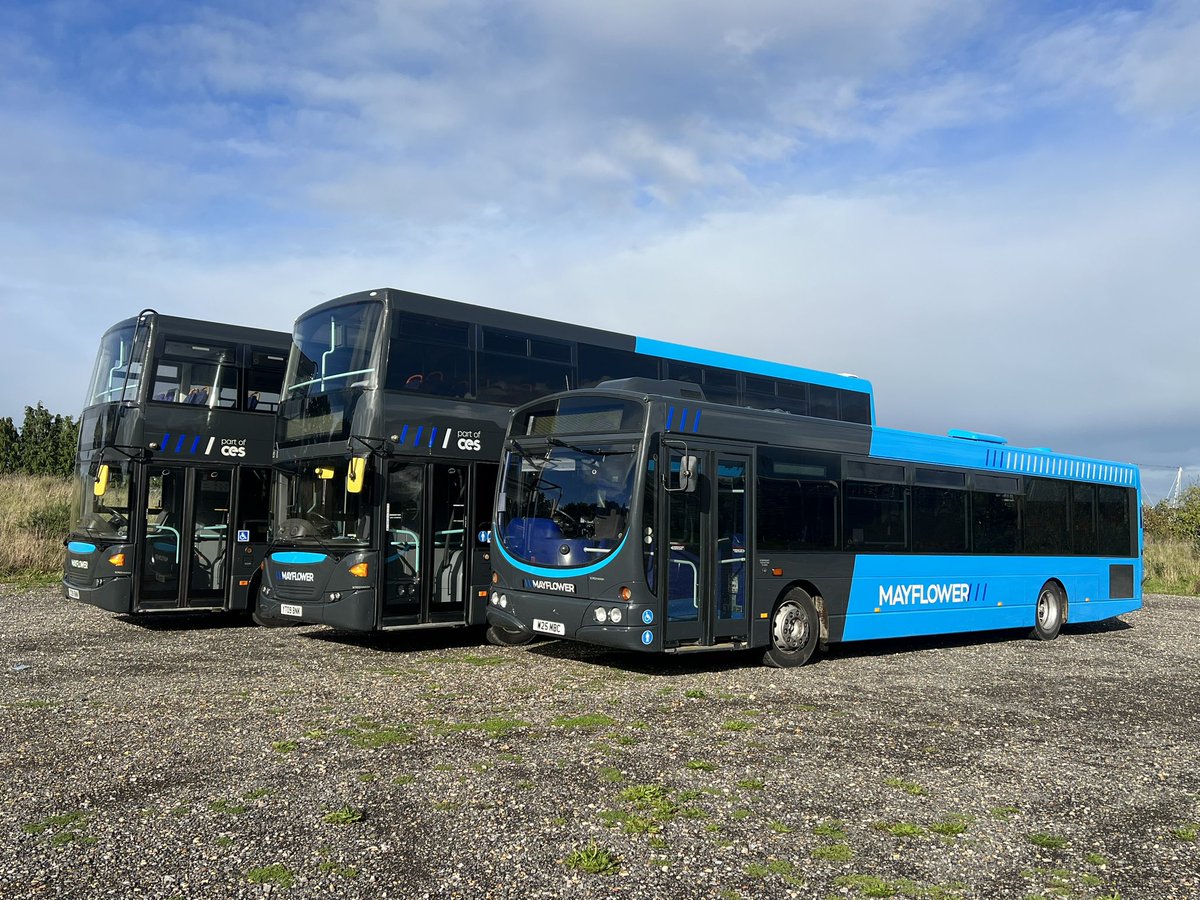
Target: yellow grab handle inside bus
[[356, 474], [100, 485]]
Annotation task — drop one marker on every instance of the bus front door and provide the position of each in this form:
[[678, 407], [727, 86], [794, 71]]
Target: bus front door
[[426, 546], [706, 576], [184, 545]]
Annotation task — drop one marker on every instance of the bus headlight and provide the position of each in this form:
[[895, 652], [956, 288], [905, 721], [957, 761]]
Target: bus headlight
[[504, 601], [600, 613], [495, 598], [615, 616]]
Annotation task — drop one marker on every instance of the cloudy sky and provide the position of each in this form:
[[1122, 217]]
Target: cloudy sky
[[990, 209]]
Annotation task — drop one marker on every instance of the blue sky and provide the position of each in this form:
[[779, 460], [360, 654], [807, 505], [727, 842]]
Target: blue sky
[[990, 209]]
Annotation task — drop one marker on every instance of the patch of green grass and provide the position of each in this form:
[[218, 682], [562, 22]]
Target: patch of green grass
[[695, 694], [62, 838], [224, 842], [593, 859], [700, 765], [1046, 841], [834, 852], [221, 805], [900, 829], [780, 827], [1096, 859], [645, 795], [867, 885], [256, 794], [486, 660], [371, 736], [951, 826], [287, 746], [347, 815], [752, 784], [611, 775], [739, 814], [1003, 812], [1189, 831], [276, 873], [329, 867], [831, 828], [909, 787], [589, 720], [737, 725], [62, 828], [404, 779]]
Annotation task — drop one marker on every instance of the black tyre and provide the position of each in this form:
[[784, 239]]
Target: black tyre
[[1051, 611], [504, 637], [795, 630]]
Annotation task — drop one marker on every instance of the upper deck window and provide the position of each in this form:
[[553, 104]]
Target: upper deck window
[[597, 364], [196, 373], [264, 379], [429, 356], [118, 368], [515, 367], [333, 349]]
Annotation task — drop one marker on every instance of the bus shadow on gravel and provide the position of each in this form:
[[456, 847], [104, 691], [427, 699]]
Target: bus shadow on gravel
[[719, 661]]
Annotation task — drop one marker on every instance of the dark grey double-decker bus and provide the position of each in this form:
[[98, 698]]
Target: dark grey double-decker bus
[[171, 493], [390, 429], [641, 516]]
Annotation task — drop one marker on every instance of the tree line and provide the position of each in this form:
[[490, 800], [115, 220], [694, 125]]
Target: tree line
[[43, 445]]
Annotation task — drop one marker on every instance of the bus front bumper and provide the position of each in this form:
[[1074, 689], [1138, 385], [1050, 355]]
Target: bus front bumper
[[112, 594], [355, 611], [540, 615]]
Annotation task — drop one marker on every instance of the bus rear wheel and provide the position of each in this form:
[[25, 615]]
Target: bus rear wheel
[[1050, 609], [795, 630], [503, 637]]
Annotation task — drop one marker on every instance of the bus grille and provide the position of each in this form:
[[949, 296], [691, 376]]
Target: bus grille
[[296, 590]]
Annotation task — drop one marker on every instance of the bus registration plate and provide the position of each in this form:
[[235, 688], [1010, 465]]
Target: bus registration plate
[[546, 627], [290, 609], [73, 593]]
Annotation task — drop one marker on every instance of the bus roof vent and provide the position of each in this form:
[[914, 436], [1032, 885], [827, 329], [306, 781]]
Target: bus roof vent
[[976, 436], [666, 387]]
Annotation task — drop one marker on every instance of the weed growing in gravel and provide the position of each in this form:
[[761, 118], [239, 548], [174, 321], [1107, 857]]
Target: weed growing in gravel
[[283, 746], [752, 784], [486, 660], [771, 867], [593, 859], [899, 829], [909, 787], [1189, 831], [611, 775], [831, 828], [404, 779], [738, 814], [834, 853], [874, 886], [221, 805], [738, 725], [224, 842], [1096, 859], [1003, 812], [329, 867], [62, 828], [700, 765], [695, 694], [780, 827], [347, 815], [276, 873], [256, 794], [590, 720], [372, 736], [951, 826], [1046, 841]]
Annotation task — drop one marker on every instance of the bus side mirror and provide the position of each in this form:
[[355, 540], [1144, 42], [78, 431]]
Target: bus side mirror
[[688, 471], [100, 485], [356, 473]]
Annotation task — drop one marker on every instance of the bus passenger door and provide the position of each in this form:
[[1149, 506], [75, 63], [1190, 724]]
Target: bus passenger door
[[426, 557], [708, 535]]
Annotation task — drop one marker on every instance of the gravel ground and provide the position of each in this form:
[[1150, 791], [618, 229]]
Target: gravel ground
[[195, 756]]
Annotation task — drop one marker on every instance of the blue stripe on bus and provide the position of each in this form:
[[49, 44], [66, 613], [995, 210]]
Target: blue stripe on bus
[[195, 444], [81, 547], [696, 424], [166, 440], [417, 439], [902, 596], [934, 449], [684, 353], [179, 443], [683, 420], [297, 557], [670, 416], [560, 574], [403, 435], [433, 435]]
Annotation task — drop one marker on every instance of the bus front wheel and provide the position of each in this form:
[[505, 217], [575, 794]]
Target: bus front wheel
[[503, 637], [795, 630], [1050, 612]]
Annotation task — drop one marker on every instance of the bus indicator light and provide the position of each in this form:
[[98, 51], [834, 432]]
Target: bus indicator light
[[117, 559], [359, 570]]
